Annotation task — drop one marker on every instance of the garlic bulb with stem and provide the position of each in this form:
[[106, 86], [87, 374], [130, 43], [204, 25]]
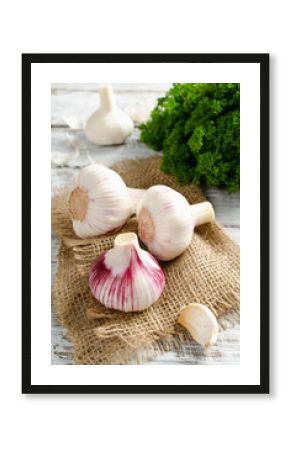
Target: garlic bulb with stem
[[101, 203], [166, 221], [109, 125], [200, 322], [126, 277]]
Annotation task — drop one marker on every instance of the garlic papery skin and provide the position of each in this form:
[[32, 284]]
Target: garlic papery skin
[[166, 221], [200, 322], [126, 277], [109, 125], [101, 203]]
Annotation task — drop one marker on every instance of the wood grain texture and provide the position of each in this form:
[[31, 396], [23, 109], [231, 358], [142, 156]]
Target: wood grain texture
[[70, 150], [79, 101], [130, 89]]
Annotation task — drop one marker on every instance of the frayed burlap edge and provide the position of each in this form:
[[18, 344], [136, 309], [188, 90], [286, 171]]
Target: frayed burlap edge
[[128, 352]]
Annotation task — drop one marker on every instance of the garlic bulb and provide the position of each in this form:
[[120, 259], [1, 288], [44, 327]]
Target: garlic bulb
[[101, 202], [126, 277], [200, 322], [108, 125], [166, 221]]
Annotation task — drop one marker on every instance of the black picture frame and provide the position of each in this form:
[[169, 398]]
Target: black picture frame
[[263, 61]]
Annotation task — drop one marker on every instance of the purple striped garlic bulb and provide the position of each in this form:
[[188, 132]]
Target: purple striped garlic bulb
[[126, 277], [101, 203], [166, 221]]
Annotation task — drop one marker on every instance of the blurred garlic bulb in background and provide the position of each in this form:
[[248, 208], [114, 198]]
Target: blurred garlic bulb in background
[[101, 203], [166, 221], [126, 277], [200, 322], [141, 110], [109, 125]]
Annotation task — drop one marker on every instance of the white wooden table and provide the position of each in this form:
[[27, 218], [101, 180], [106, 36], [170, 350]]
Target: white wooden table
[[71, 104]]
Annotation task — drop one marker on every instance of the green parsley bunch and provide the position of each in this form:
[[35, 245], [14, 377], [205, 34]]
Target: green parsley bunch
[[197, 126]]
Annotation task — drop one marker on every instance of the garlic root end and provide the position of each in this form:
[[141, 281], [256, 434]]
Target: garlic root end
[[125, 239], [78, 204]]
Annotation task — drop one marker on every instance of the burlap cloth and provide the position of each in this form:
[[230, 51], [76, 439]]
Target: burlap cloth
[[207, 272]]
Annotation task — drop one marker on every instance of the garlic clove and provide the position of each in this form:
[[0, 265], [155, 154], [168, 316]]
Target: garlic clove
[[166, 221], [109, 125], [200, 322], [126, 277], [100, 203]]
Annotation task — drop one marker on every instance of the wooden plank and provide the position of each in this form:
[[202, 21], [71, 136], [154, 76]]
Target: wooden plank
[[226, 206], [233, 232], [75, 106], [61, 348], [70, 148], [59, 88], [54, 247], [226, 350]]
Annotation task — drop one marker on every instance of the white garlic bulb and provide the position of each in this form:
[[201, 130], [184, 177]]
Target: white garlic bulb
[[109, 125], [200, 322], [166, 221], [126, 277], [100, 203]]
